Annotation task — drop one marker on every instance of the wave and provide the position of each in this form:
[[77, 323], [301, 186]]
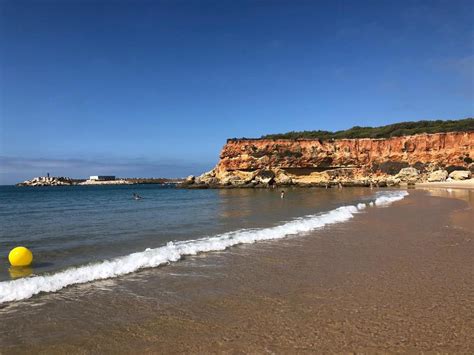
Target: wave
[[19, 289]]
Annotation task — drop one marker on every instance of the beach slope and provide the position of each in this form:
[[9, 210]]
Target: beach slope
[[392, 279]]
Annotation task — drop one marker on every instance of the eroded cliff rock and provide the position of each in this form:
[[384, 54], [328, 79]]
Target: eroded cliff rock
[[361, 162]]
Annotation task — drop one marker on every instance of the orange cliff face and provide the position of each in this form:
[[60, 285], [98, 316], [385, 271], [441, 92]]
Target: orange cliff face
[[384, 156], [342, 162]]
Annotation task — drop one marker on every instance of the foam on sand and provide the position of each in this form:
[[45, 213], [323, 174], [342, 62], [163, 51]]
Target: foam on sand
[[173, 251]]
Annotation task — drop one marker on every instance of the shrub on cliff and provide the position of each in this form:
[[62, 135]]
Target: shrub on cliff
[[393, 130]]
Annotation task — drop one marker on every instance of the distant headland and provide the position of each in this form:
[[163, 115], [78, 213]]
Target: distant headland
[[402, 153], [94, 181]]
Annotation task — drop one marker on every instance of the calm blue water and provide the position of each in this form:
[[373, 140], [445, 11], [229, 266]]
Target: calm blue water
[[70, 226]]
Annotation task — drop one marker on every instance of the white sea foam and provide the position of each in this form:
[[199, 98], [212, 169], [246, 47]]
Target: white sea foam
[[385, 198], [173, 251]]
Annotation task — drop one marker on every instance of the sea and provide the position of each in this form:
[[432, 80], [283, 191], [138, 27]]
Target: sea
[[83, 234]]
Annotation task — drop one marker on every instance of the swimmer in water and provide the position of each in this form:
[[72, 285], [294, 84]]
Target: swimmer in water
[[282, 195]]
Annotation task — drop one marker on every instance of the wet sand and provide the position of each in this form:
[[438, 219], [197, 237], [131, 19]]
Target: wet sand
[[390, 280]]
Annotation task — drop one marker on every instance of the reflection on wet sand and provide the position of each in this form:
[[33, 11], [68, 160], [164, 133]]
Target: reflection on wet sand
[[251, 206], [462, 218], [461, 194], [19, 271]]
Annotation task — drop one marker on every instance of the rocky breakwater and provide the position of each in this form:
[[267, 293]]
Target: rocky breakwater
[[105, 182], [48, 181], [346, 162]]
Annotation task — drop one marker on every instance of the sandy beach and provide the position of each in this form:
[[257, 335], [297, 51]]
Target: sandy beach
[[459, 184], [394, 279], [236, 177]]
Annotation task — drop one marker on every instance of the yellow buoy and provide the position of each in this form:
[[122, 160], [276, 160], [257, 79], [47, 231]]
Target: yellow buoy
[[20, 256]]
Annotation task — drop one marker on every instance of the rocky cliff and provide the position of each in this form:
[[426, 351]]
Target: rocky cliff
[[264, 162]]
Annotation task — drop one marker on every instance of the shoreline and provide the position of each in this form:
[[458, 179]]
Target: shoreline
[[190, 183], [174, 251], [344, 288], [459, 184]]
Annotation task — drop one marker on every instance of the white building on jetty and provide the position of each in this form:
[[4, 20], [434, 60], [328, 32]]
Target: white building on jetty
[[102, 178]]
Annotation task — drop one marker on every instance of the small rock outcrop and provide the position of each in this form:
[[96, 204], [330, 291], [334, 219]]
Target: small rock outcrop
[[471, 168], [460, 175], [264, 177], [281, 178], [438, 176], [408, 175]]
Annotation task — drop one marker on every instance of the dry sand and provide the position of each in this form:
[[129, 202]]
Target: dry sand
[[462, 184]]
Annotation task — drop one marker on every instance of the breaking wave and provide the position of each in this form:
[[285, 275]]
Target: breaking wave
[[173, 251]]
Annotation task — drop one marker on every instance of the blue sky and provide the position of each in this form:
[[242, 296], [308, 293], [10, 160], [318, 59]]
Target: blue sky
[[154, 88]]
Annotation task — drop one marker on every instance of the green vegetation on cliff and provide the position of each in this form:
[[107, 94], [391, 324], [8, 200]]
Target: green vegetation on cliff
[[393, 130]]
